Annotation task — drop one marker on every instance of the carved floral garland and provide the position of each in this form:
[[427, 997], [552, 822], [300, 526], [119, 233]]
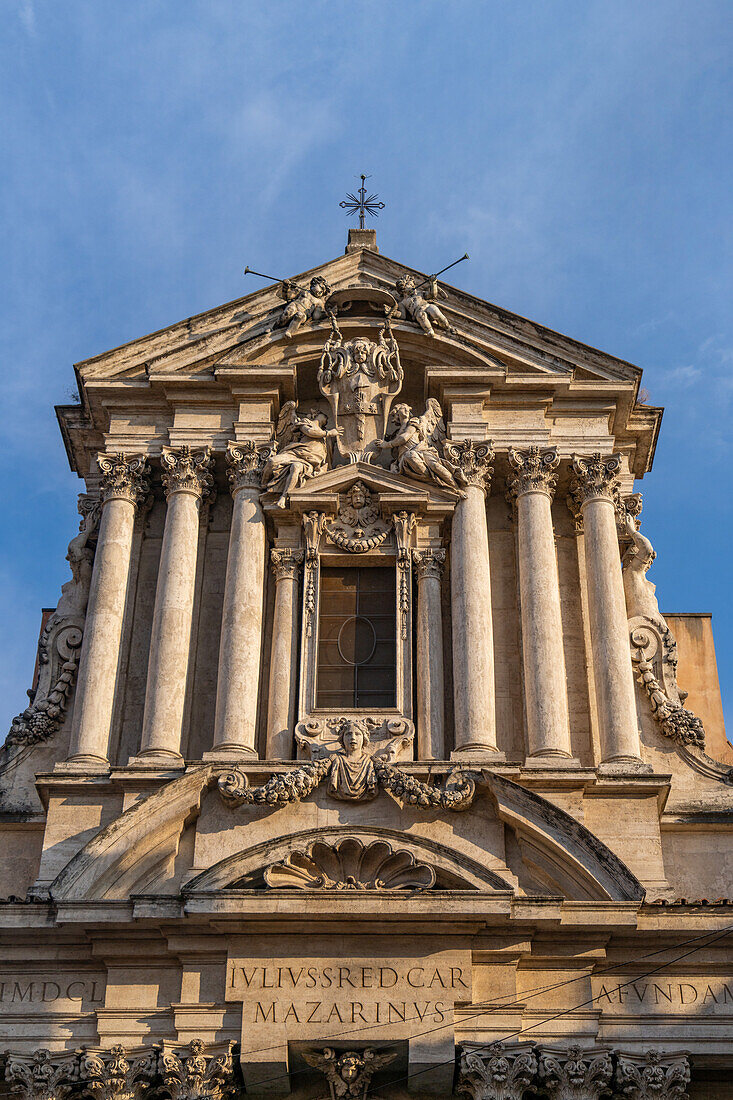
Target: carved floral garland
[[292, 786]]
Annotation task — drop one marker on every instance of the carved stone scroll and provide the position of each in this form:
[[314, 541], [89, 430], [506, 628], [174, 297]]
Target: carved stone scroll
[[115, 1075], [574, 1073], [196, 1076], [674, 720], [187, 471], [499, 1072], [472, 461], [245, 464], [654, 1075], [123, 478], [41, 1076], [534, 471]]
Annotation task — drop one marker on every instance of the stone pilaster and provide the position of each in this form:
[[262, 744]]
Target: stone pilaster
[[429, 565], [594, 494], [531, 490], [283, 658], [240, 648], [187, 480], [123, 488], [473, 638], [575, 1074], [499, 1072]]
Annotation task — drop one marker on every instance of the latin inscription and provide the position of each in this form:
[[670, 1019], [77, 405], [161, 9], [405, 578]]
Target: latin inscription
[[63, 993], [711, 995], [402, 994]]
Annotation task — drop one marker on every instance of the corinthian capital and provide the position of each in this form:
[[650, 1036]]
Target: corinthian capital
[[574, 1073], [123, 478], [187, 471], [197, 1076], [652, 1076], [472, 461], [500, 1072], [115, 1075], [246, 461], [429, 563], [39, 1076], [534, 471], [596, 478], [286, 563]]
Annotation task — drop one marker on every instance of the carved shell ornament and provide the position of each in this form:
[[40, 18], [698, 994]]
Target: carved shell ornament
[[350, 865]]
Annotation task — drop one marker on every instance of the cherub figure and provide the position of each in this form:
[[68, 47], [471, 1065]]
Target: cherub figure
[[416, 443], [349, 1075], [302, 305], [420, 305], [302, 450]]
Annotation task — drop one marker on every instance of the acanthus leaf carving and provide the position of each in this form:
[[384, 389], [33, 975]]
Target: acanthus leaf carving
[[574, 1073], [498, 1072], [41, 1076], [187, 470], [115, 1075], [286, 563], [429, 563], [594, 478], [654, 1075], [349, 1074], [675, 721], [194, 1075], [124, 477], [245, 463], [472, 461], [534, 471]]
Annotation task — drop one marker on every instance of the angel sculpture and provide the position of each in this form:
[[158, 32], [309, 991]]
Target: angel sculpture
[[302, 450], [302, 305], [416, 442], [420, 305], [349, 1075]]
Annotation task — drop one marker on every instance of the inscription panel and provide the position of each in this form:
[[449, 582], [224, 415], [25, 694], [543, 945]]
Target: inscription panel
[[24, 992], [668, 995]]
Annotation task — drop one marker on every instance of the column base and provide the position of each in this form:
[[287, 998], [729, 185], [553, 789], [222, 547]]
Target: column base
[[622, 765], [479, 753], [157, 758], [547, 761], [83, 762], [228, 753]]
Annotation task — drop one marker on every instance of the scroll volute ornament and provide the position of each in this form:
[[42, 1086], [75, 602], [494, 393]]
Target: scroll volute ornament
[[574, 1073], [652, 1076], [123, 478], [349, 1075], [40, 1077], [534, 471], [472, 461], [246, 463], [499, 1072], [595, 478], [187, 471], [117, 1075], [197, 1076]]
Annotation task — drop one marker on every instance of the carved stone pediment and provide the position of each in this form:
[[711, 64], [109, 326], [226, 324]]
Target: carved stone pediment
[[395, 492]]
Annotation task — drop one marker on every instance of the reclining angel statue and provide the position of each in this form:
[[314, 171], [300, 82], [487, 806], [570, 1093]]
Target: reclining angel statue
[[416, 444], [419, 305], [302, 305], [302, 450]]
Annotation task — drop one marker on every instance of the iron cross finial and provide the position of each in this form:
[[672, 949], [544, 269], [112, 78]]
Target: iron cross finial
[[365, 204]]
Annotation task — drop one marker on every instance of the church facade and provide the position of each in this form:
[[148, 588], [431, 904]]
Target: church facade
[[359, 756]]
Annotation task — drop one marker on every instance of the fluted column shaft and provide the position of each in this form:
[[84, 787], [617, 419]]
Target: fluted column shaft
[[430, 673], [473, 636], [237, 690], [545, 682], [186, 479], [123, 487], [593, 492], [284, 655]]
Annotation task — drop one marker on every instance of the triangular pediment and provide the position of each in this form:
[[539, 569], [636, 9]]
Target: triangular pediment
[[395, 492]]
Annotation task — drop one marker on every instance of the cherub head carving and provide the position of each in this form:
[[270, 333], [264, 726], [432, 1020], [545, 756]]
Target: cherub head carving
[[353, 734], [401, 414], [360, 350], [319, 287], [405, 285], [358, 495]]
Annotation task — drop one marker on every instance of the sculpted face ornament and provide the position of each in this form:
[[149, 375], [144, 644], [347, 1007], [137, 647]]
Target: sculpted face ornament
[[349, 1075], [302, 305], [358, 526], [353, 774]]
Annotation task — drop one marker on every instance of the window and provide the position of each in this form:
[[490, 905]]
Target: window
[[356, 639]]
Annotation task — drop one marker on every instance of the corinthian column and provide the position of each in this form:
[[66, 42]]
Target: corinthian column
[[284, 653], [545, 685], [571, 1073], [123, 487], [593, 493], [187, 480], [473, 638], [235, 725], [430, 703]]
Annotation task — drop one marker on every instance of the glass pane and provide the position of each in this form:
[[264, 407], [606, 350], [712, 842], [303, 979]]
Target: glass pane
[[356, 645]]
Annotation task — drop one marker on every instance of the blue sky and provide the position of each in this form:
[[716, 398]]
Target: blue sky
[[580, 151]]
